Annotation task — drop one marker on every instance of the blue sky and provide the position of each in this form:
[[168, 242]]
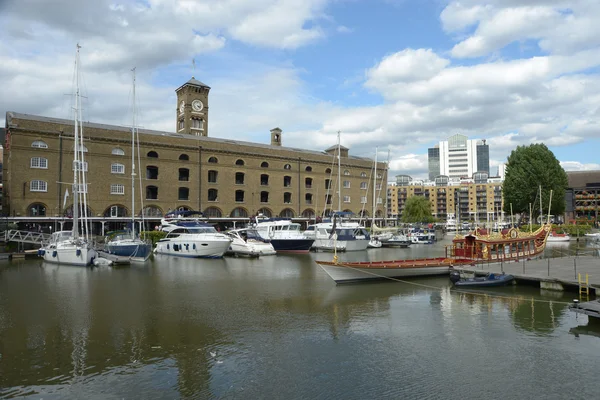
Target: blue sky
[[399, 75]]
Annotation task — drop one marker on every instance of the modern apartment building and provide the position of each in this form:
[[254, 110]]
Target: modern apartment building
[[458, 157]]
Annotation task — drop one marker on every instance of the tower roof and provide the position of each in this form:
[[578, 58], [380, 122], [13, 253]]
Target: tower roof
[[193, 82]]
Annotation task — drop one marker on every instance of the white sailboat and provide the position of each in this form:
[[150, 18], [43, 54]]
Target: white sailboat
[[75, 246], [129, 244]]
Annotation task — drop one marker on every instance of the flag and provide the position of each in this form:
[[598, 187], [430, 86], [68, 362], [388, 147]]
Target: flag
[[65, 199]]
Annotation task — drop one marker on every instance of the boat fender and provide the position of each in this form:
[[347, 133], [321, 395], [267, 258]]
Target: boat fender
[[167, 247], [54, 253], [176, 247], [187, 246], [194, 246], [78, 252], [41, 252]]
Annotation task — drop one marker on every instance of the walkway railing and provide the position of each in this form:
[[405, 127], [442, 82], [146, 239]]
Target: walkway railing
[[25, 237]]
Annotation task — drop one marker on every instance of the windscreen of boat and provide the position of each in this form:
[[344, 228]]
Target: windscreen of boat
[[253, 234], [201, 229]]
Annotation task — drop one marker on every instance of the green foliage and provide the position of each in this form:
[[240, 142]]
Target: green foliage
[[527, 168], [417, 209], [571, 229], [155, 236]]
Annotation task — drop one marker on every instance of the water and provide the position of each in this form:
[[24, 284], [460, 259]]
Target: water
[[279, 328]]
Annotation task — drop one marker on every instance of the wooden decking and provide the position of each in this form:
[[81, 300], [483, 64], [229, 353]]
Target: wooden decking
[[590, 308]]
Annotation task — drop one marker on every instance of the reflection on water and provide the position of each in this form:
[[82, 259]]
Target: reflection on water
[[277, 327]]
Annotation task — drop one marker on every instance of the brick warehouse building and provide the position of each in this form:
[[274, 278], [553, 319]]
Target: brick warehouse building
[[223, 178]]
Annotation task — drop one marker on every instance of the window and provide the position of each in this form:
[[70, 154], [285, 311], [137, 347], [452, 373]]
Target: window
[[264, 164], [151, 172], [379, 176], [115, 211], [117, 189], [180, 125], [346, 184], [184, 193], [239, 178], [328, 199], [213, 160], [239, 162], [287, 166], [239, 196], [287, 213], [197, 123], [151, 211], [151, 193], [308, 183], [328, 171], [264, 197], [363, 185], [36, 210], [80, 166], [287, 181], [239, 213], [213, 212], [212, 176], [363, 199], [213, 194], [308, 168], [363, 174], [264, 180], [184, 157], [152, 154], [83, 149], [287, 197], [117, 152], [38, 144], [265, 212], [378, 187], [39, 162], [327, 183], [117, 168], [346, 172], [184, 174], [308, 197], [38, 186], [346, 199]]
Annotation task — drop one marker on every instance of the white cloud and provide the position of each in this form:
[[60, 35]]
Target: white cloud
[[577, 166]]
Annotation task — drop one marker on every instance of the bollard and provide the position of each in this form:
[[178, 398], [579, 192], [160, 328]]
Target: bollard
[[548, 267]]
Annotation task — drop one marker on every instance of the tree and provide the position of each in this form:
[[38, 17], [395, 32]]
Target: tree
[[527, 168], [417, 209]]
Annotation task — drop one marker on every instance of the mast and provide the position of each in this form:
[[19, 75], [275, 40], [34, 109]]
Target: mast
[[133, 163], [339, 174], [77, 165], [541, 209], [374, 191]]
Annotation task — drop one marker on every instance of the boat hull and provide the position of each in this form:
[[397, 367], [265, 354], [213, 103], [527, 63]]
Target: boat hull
[[292, 245], [188, 247], [342, 274], [500, 280], [341, 245], [136, 250], [71, 254], [255, 249]]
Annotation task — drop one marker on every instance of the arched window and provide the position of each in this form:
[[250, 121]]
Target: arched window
[[152, 154], [264, 164], [152, 211], [239, 162], [308, 213], [265, 212], [328, 171], [184, 157], [287, 166], [151, 193], [363, 174], [38, 144], [39, 162], [115, 211], [212, 212], [308, 168], [38, 186], [36, 210], [239, 196], [287, 213], [183, 193], [213, 195], [213, 160], [239, 212], [69, 212], [264, 197], [346, 172], [116, 168], [239, 178], [118, 152]]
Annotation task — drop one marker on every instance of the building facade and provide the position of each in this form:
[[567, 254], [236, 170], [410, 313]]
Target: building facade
[[582, 196], [185, 169], [458, 157], [475, 199]]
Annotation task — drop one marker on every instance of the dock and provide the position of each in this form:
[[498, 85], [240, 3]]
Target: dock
[[561, 273], [589, 308]]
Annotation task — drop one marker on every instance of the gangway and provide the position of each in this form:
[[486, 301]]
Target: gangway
[[25, 237]]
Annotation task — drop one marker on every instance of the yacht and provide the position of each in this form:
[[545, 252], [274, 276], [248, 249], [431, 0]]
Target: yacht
[[349, 236], [171, 219], [284, 235], [193, 239], [247, 242]]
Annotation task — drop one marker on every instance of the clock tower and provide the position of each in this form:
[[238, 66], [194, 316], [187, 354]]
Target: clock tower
[[192, 108]]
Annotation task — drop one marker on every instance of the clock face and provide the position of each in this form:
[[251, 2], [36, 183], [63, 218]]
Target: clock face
[[197, 105], [181, 106]]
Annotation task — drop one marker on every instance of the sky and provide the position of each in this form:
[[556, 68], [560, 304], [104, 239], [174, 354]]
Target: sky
[[393, 76]]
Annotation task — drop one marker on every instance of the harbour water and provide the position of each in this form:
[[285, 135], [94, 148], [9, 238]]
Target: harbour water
[[279, 328]]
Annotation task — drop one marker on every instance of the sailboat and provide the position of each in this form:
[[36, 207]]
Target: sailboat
[[128, 244], [75, 246]]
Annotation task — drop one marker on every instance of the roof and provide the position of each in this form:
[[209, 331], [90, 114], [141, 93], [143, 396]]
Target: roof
[[10, 115], [582, 179], [335, 146], [193, 82]]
